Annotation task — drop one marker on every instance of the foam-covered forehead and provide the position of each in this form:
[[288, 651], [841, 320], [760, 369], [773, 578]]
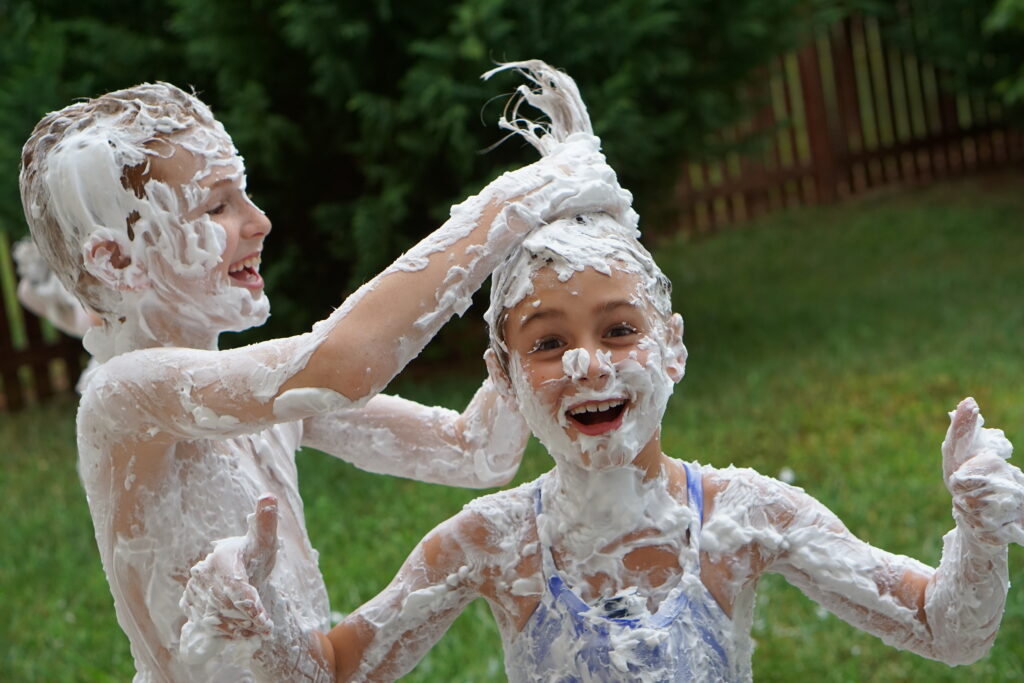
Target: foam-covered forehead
[[567, 246]]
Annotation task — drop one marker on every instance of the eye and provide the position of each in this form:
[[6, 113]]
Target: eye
[[217, 210], [621, 330], [546, 344]]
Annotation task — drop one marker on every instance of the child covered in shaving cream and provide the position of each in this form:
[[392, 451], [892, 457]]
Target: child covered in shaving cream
[[136, 200], [624, 564]]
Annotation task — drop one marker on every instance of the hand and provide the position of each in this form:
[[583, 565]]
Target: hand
[[222, 597], [988, 492]]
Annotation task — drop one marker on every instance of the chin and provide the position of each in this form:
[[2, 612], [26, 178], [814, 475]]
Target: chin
[[238, 309]]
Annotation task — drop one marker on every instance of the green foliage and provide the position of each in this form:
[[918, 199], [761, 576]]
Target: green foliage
[[830, 341], [362, 122], [977, 44], [1007, 18]]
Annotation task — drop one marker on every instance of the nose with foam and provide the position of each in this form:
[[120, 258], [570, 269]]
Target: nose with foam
[[579, 365]]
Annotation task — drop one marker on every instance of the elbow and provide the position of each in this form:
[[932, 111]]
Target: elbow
[[965, 653]]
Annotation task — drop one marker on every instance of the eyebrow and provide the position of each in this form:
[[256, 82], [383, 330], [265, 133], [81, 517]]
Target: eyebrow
[[613, 305], [606, 307], [540, 315]]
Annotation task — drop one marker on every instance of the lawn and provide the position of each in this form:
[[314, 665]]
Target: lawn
[[829, 341]]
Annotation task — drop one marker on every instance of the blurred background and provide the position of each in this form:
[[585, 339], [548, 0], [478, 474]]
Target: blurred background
[[835, 189]]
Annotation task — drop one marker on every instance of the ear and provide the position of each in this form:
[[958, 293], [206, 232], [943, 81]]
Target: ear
[[109, 261], [675, 350], [498, 376]]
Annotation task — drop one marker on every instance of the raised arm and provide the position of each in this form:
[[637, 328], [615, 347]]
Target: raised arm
[[187, 393], [950, 613], [386, 323], [480, 447]]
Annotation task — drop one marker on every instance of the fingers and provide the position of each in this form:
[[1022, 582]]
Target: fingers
[[988, 499], [260, 552], [225, 608], [963, 427]]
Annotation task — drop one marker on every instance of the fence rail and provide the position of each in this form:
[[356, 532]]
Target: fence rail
[[845, 114]]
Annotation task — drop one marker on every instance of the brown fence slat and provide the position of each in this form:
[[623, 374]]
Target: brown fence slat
[[865, 113]]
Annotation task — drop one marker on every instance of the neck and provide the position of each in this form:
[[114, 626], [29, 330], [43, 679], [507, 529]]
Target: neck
[[141, 331], [585, 510]]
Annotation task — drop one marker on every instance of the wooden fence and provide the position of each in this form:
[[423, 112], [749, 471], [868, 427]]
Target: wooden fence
[[36, 360], [845, 114]]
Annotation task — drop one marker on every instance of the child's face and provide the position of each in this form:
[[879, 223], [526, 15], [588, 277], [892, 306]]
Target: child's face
[[245, 227], [215, 260], [588, 365]]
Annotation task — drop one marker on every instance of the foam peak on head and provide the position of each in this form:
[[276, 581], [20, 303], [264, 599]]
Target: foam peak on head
[[555, 94], [602, 237]]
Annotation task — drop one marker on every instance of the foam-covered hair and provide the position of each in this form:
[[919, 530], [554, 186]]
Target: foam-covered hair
[[95, 155], [597, 239]]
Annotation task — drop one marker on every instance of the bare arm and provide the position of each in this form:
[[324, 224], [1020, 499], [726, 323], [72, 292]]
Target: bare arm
[[480, 447], [950, 613]]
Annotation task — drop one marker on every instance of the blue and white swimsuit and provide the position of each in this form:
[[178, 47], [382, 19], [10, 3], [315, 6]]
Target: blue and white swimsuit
[[687, 639]]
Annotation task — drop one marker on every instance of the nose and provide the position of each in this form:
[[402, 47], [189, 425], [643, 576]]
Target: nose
[[256, 222], [587, 364]]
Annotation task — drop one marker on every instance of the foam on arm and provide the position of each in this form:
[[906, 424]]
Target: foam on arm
[[950, 614], [480, 447]]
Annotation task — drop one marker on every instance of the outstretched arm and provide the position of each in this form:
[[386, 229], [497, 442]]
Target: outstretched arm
[[950, 613], [480, 447]]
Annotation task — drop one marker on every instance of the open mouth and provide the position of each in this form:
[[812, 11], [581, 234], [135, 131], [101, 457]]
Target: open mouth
[[246, 272], [597, 417]]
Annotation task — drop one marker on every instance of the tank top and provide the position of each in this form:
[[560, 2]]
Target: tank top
[[566, 640]]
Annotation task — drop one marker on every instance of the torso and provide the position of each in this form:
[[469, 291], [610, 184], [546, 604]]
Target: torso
[[157, 507], [647, 559]]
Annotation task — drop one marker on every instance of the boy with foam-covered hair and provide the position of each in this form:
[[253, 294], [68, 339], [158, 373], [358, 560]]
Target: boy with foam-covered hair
[[137, 201]]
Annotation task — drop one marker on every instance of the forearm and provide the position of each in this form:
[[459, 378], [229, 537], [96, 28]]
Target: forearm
[[386, 323], [480, 447], [965, 598]]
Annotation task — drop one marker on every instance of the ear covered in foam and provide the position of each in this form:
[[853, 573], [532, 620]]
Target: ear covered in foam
[[107, 259], [675, 360]]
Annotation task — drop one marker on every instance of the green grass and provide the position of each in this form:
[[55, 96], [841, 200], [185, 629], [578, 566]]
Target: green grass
[[831, 341]]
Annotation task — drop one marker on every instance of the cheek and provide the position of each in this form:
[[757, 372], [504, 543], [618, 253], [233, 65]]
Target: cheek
[[539, 376]]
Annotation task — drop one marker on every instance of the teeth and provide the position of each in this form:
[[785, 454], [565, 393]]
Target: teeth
[[596, 407], [251, 262]]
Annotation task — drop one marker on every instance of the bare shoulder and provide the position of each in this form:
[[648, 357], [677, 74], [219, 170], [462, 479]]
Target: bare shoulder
[[741, 493], [500, 523]]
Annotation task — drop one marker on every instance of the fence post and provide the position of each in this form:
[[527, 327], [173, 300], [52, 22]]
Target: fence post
[[12, 394], [823, 163]]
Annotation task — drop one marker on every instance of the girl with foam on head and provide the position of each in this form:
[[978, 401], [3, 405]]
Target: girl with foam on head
[[625, 564]]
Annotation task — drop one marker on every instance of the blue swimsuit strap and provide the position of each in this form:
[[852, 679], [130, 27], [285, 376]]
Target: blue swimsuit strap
[[695, 489]]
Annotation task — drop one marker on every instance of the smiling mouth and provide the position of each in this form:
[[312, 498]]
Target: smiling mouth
[[246, 272], [597, 417]]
